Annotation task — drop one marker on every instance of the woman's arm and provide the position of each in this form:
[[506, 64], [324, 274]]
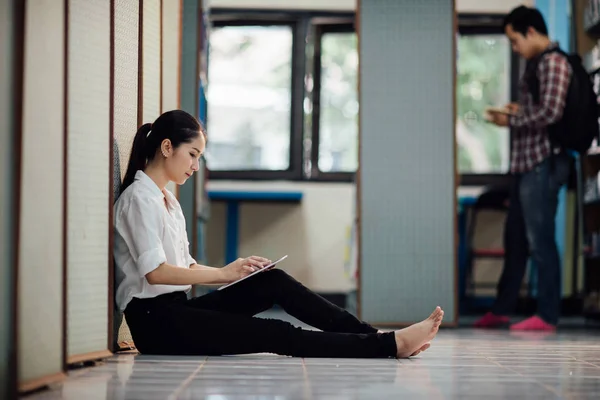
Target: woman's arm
[[199, 267], [167, 274], [202, 267]]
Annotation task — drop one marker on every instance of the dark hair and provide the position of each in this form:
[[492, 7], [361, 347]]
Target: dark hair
[[178, 126], [522, 17]]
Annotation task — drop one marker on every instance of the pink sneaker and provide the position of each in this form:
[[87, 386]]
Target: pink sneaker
[[533, 324], [490, 320]]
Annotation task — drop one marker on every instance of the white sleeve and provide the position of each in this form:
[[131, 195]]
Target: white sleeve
[[190, 260], [140, 225]]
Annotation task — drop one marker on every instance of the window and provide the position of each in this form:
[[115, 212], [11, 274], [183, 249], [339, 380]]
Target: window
[[249, 98], [484, 68], [283, 96], [337, 125]]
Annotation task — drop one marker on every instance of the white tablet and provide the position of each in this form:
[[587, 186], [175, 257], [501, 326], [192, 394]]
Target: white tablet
[[268, 267]]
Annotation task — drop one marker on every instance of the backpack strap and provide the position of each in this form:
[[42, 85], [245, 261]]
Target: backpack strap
[[533, 82]]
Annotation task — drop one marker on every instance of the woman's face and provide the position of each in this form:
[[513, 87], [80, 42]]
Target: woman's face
[[182, 162]]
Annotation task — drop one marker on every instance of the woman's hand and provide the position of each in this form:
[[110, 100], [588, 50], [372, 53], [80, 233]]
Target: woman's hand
[[243, 267]]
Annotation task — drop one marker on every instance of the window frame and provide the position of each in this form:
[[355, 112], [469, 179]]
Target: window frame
[[294, 171], [480, 24]]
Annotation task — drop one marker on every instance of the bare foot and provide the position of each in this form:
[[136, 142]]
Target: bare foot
[[423, 348], [412, 339]]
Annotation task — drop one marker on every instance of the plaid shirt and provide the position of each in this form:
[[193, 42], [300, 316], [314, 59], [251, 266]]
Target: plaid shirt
[[530, 144]]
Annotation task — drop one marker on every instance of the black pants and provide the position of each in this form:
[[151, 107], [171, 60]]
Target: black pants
[[223, 323], [530, 231]]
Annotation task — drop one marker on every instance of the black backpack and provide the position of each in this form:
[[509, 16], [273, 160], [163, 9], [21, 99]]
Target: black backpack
[[578, 126]]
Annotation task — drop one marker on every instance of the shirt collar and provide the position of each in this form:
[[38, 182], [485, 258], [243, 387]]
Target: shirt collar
[[148, 183], [551, 46], [532, 64]]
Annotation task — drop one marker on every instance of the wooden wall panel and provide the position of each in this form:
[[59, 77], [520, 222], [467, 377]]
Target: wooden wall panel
[[11, 36], [125, 115], [41, 296], [88, 152], [170, 59], [171, 54], [151, 65]]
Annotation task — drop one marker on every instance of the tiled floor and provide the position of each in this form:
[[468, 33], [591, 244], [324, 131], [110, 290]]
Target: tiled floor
[[461, 364]]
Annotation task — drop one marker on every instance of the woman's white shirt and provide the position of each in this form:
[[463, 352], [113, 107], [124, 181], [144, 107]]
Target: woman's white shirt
[[147, 234]]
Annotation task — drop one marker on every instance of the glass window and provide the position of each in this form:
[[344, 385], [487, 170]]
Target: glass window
[[484, 68], [338, 118], [249, 98]]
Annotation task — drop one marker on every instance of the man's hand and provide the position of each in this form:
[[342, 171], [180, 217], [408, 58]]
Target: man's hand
[[513, 108], [243, 267], [498, 119]]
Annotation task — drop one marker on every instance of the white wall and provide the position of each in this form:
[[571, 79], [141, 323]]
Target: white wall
[[475, 6], [313, 232]]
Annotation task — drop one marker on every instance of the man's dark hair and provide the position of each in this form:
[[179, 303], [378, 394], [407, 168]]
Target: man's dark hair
[[522, 17]]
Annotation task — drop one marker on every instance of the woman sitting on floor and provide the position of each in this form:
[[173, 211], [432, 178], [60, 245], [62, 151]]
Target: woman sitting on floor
[[155, 271]]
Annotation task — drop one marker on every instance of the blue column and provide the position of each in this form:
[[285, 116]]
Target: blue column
[[231, 242], [556, 13]]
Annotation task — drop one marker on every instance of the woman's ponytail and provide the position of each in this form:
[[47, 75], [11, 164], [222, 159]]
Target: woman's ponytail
[[138, 157]]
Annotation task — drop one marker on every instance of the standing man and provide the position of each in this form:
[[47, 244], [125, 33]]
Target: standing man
[[538, 169]]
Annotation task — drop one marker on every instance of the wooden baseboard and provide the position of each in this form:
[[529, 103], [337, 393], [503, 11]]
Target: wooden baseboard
[[39, 383], [96, 355]]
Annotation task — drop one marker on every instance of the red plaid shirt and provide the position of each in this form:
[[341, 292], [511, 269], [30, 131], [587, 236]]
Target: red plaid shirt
[[530, 144]]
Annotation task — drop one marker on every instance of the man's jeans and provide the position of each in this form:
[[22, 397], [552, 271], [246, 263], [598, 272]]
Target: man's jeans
[[530, 231]]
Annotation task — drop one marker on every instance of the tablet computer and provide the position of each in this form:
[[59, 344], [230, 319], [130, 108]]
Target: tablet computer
[[268, 267]]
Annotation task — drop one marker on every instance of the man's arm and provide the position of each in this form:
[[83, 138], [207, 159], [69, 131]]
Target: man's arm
[[555, 76]]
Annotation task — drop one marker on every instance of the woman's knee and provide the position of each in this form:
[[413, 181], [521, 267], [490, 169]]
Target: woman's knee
[[276, 273], [278, 276]]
